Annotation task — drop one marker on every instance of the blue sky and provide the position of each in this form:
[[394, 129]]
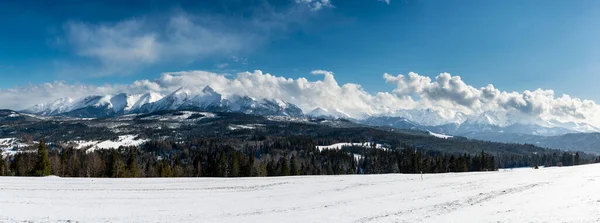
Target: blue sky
[[515, 45]]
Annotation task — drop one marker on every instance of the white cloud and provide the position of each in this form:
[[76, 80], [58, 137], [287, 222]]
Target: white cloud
[[459, 95], [308, 95], [315, 5], [447, 93]]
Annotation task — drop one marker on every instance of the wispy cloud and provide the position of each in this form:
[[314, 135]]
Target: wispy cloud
[[222, 65], [131, 44], [181, 37], [316, 5]]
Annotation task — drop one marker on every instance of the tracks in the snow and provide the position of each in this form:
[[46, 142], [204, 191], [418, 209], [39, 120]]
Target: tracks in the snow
[[448, 207], [229, 188]]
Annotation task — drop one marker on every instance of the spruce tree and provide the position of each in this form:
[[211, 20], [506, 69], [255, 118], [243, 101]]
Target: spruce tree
[[42, 167]]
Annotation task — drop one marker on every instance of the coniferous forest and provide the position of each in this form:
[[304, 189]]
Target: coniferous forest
[[280, 156]]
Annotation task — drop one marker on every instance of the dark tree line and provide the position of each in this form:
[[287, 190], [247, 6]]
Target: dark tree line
[[283, 156]]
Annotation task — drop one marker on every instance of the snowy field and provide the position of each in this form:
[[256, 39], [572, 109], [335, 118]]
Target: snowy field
[[567, 194]]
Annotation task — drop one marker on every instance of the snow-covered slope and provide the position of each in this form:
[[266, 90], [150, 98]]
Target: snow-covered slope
[[344, 144], [8, 146], [441, 136], [567, 194], [146, 99]]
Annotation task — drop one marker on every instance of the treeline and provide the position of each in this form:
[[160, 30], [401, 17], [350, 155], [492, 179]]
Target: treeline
[[281, 157], [546, 159]]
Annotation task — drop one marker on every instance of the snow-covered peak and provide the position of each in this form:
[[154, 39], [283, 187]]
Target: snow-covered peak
[[180, 93], [324, 113], [57, 106], [578, 127], [172, 101], [208, 97], [147, 98], [117, 104], [318, 112], [209, 90], [123, 102], [484, 119], [429, 117]]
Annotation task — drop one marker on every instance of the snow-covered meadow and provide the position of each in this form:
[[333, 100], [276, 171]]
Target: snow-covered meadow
[[567, 194]]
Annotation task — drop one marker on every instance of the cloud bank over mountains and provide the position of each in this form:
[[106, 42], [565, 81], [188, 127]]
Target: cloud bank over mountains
[[461, 96], [446, 93]]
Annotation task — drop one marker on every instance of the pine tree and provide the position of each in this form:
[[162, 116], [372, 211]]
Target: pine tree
[[254, 169], [198, 166], [165, 169], [132, 169], [3, 167], [285, 168], [293, 166], [222, 165], [42, 167], [329, 168], [116, 168], [235, 166]]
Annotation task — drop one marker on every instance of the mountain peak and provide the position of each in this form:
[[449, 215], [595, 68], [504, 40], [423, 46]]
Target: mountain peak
[[324, 113], [208, 90], [485, 118], [57, 106]]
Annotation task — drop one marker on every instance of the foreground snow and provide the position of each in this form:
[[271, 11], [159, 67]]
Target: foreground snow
[[568, 194]]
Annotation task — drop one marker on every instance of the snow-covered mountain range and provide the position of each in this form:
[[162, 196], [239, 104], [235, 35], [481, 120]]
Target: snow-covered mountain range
[[98, 106], [95, 105], [437, 121], [490, 126], [487, 123]]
